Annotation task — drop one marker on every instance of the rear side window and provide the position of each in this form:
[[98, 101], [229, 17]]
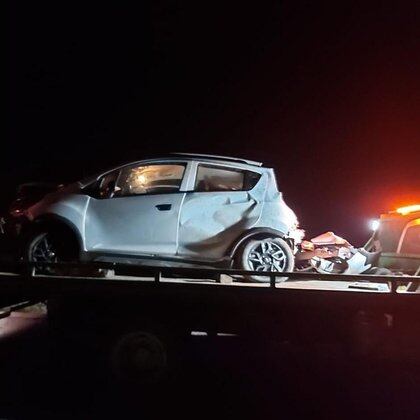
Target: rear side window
[[215, 178]]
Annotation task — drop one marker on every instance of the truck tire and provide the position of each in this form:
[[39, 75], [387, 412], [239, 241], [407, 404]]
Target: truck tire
[[139, 357]]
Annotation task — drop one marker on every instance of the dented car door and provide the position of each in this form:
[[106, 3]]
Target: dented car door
[[224, 202]]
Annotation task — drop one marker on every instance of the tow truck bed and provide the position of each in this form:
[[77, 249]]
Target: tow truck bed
[[307, 305]]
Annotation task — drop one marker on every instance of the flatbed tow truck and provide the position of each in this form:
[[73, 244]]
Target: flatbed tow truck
[[368, 313], [114, 304], [126, 307]]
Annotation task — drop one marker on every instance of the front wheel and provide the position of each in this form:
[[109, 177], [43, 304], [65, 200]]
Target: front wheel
[[46, 247], [267, 255], [42, 248], [49, 248]]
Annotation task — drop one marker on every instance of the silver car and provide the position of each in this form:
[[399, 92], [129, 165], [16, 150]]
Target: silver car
[[176, 210]]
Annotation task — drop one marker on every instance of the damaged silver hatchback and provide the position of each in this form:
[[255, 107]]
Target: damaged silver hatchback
[[177, 210]]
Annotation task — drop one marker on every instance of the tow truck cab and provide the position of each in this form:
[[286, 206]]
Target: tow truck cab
[[398, 234]]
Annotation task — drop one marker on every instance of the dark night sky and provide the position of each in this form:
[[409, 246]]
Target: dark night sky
[[326, 93]]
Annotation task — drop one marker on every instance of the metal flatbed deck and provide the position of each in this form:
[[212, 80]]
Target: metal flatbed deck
[[111, 299], [58, 278]]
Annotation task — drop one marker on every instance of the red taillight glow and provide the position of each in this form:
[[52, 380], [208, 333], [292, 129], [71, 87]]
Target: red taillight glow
[[408, 209]]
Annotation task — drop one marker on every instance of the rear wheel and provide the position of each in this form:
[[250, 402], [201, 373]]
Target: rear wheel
[[266, 255]]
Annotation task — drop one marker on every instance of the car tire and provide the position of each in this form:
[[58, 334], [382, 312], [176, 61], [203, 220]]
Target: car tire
[[44, 246], [266, 254]]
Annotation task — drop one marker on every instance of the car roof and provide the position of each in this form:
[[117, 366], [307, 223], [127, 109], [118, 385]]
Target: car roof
[[198, 156]]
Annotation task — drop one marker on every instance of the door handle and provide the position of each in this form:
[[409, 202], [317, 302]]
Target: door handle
[[163, 207]]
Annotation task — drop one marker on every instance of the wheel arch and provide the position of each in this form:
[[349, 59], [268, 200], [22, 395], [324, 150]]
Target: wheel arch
[[52, 221], [256, 233]]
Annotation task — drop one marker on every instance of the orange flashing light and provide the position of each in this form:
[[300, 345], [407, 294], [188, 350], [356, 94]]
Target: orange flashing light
[[408, 209]]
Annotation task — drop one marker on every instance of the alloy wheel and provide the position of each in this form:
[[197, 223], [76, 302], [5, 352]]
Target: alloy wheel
[[267, 255], [44, 250]]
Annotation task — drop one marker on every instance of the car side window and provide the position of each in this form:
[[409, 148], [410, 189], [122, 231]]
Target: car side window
[[104, 186], [107, 184], [150, 179], [215, 178]]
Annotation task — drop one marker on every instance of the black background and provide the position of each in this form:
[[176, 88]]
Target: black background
[[325, 92]]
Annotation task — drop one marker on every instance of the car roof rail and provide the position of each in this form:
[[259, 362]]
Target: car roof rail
[[217, 157]]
